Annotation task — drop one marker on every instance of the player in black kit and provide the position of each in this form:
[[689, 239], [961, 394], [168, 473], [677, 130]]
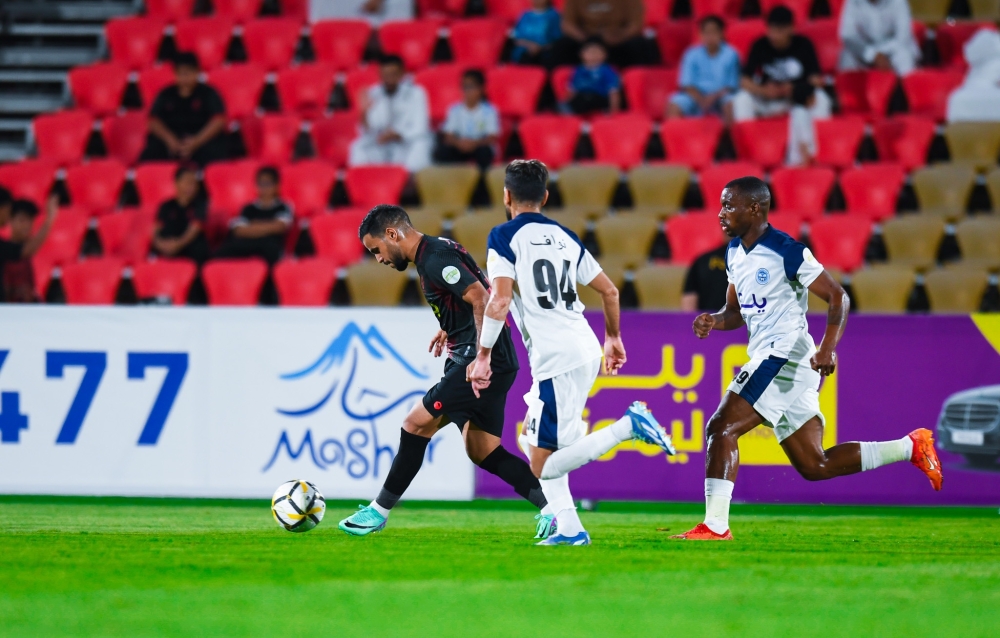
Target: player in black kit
[[457, 291]]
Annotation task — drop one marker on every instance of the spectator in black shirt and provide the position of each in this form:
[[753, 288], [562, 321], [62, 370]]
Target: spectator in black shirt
[[706, 283], [776, 61], [179, 230], [260, 229], [187, 120], [17, 281]]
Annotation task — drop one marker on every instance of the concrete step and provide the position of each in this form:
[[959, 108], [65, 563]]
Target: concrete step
[[47, 57], [31, 103], [69, 11], [56, 30]]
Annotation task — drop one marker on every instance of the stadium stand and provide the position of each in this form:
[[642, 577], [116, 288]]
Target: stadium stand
[[885, 289], [305, 282], [93, 281], [164, 278], [658, 189], [234, 282]]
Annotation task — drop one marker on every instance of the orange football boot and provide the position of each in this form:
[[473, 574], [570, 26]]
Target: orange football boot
[[925, 456], [702, 532]]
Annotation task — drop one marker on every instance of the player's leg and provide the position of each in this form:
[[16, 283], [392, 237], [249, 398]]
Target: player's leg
[[485, 450]]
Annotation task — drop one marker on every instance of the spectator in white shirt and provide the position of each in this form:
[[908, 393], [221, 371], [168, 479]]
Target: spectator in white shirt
[[394, 121], [472, 128], [374, 11], [878, 34], [802, 145], [978, 99]]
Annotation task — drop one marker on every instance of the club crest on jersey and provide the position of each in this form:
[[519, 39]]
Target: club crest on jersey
[[763, 276], [451, 275]]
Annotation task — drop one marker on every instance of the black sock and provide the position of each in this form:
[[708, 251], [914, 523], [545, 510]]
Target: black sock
[[516, 473], [405, 466]]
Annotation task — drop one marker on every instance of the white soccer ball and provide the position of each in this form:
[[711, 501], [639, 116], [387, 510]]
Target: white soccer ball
[[298, 506]]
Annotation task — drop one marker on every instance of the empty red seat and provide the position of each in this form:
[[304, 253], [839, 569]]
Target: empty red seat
[[271, 42], [239, 11], [802, 190], [621, 139], [839, 241], [371, 185], [550, 138], [443, 84], [154, 182], [412, 40], [741, 35], [825, 38], [761, 141], [951, 37], [713, 179], [673, 37], [152, 81], [231, 185], [838, 140], [92, 282], [271, 139], [98, 88], [927, 91], [335, 236], [134, 42], [789, 223], [332, 136], [125, 136], [691, 141], [164, 278], [306, 88], [126, 235], [62, 246], [306, 282], [872, 190], [307, 185], [509, 11], [207, 37], [96, 185], [169, 10], [729, 9], [443, 10], [692, 235], [865, 92], [904, 139], [477, 42], [358, 81], [234, 282], [647, 90], [340, 43], [799, 8], [298, 9], [240, 86], [514, 90], [30, 179], [561, 77], [62, 136]]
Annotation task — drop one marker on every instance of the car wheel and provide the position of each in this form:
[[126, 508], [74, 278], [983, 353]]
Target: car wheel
[[981, 460]]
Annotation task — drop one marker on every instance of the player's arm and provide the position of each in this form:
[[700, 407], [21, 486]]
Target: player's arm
[[729, 318], [614, 349], [826, 288], [490, 323], [35, 242]]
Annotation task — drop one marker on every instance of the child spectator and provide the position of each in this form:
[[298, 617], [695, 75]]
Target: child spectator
[[801, 131], [710, 74], [535, 33], [472, 128], [260, 229], [179, 225], [595, 86], [17, 275]]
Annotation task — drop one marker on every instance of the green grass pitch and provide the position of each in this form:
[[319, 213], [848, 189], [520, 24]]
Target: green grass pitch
[[148, 567]]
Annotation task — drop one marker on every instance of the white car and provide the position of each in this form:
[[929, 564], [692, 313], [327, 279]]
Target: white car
[[970, 425]]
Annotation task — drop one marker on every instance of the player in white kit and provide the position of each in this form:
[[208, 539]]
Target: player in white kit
[[770, 278], [546, 262]]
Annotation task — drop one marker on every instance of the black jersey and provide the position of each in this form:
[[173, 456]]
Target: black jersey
[[446, 270]]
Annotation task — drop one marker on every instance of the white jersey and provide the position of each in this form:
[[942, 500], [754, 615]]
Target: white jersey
[[772, 280], [546, 262]]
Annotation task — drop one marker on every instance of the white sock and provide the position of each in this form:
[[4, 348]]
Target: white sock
[[378, 508], [590, 447], [718, 494], [881, 453], [561, 503]]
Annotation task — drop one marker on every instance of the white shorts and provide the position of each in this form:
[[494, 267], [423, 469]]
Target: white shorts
[[785, 393], [555, 407]]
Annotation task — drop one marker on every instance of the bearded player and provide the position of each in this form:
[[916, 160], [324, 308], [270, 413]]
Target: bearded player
[[770, 278]]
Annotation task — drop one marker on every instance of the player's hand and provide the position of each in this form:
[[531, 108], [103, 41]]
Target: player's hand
[[703, 325], [614, 355], [438, 343], [478, 373], [882, 62], [824, 362], [52, 208]]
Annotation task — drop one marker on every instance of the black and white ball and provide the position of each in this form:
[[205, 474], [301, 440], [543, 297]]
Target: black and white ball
[[298, 506]]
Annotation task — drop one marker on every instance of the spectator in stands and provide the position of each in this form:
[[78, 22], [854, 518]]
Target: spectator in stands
[[706, 283], [619, 24], [535, 33], [260, 229], [878, 34], [395, 121], [776, 61], [710, 74], [978, 99], [472, 128], [802, 144], [374, 11], [188, 119], [595, 86], [179, 229], [17, 277]]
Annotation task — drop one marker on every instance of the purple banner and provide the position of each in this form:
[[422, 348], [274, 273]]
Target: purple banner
[[894, 375]]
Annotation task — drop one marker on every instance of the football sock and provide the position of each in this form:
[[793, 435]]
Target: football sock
[[561, 504], [718, 494], [404, 467], [590, 447], [875, 455], [515, 473]]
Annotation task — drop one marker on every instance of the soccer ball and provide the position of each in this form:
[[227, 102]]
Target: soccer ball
[[298, 506]]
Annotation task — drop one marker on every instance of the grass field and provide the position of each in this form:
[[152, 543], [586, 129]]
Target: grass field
[[136, 567]]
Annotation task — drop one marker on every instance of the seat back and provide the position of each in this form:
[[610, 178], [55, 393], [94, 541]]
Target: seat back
[[335, 236], [62, 246], [125, 136], [62, 136], [447, 185], [621, 139], [271, 139], [207, 37], [872, 190], [239, 11], [340, 43], [308, 185], [824, 36], [974, 143], [673, 37], [169, 10], [659, 185], [626, 237], [126, 235], [804, 190], [659, 287], [371, 284], [514, 90], [271, 42], [979, 238], [714, 178], [154, 182], [164, 278], [691, 141], [231, 185], [241, 87], [234, 282], [944, 188], [904, 139], [839, 241], [332, 136], [371, 185], [93, 281], [411, 40], [478, 41], [956, 290], [443, 85], [472, 229], [913, 239], [838, 140], [550, 138], [589, 185], [98, 88], [761, 141], [885, 289], [647, 90], [742, 34], [927, 91], [96, 185], [152, 80], [305, 282], [306, 88], [30, 179], [692, 235]]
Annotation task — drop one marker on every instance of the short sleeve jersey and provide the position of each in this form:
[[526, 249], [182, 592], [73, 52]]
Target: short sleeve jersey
[[767, 64], [446, 270], [772, 278], [255, 212], [174, 219], [601, 80], [547, 262], [186, 116]]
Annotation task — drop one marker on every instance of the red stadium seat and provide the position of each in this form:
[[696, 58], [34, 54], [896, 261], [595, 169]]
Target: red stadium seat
[[340, 43], [306, 282], [647, 90], [271, 139], [169, 10], [62, 136], [371, 185], [62, 246], [673, 37], [865, 92], [561, 77], [741, 35], [621, 139], [240, 86], [30, 179], [43, 274], [443, 84], [714, 178], [298, 9], [951, 37], [154, 182], [729, 9], [335, 236], [872, 190], [838, 139], [799, 8], [477, 42], [412, 40], [93, 282], [691, 141], [761, 141], [96, 185], [271, 42], [152, 81], [802, 190], [98, 88], [358, 81], [332, 136], [839, 241], [239, 11], [234, 282], [125, 136], [905, 139], [126, 235], [134, 42], [550, 138], [657, 12], [692, 235], [786, 222], [927, 91], [444, 10], [164, 278], [514, 90], [207, 37], [307, 185], [509, 11], [306, 89], [825, 38], [231, 186]]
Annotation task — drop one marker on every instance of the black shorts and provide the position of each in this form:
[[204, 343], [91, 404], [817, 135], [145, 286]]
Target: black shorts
[[453, 398]]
